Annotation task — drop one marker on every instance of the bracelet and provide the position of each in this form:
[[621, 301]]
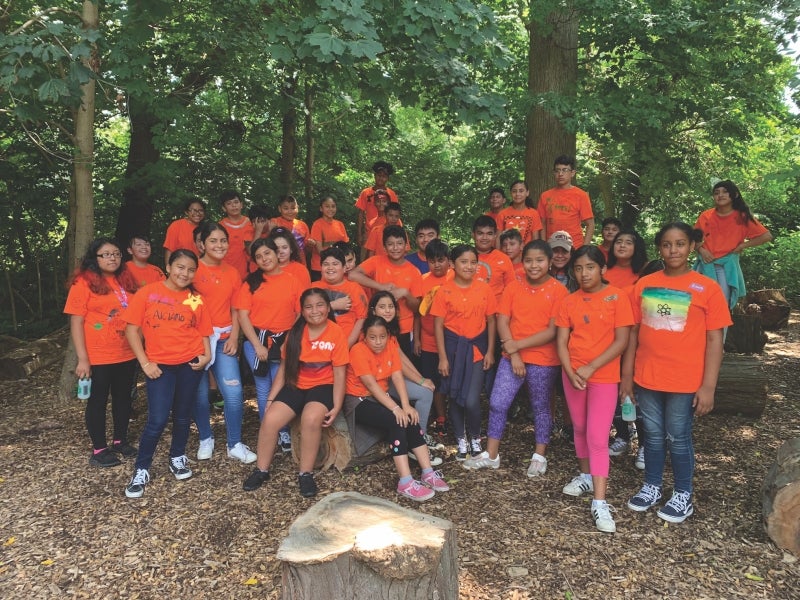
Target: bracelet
[[421, 381], [147, 364], [395, 408]]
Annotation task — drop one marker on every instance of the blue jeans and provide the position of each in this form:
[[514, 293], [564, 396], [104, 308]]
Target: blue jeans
[[263, 384], [173, 392], [229, 381], [421, 398], [667, 418]]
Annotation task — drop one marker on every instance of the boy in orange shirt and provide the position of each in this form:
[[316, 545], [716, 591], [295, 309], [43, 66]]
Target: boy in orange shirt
[[241, 232], [426, 231], [366, 199], [497, 202], [511, 246], [374, 243], [566, 207], [140, 250]]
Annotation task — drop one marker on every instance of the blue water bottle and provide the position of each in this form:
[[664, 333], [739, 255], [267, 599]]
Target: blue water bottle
[[84, 388], [628, 410]]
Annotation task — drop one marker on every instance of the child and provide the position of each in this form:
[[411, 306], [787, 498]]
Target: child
[[374, 243], [325, 232], [566, 207], [240, 230], [349, 257], [561, 243], [348, 300], [464, 325], [497, 201], [593, 328], [511, 246], [728, 229], [373, 362], [310, 384], [526, 325], [173, 323], [140, 251], [366, 199], [425, 231], [611, 227], [288, 209], [521, 215], [671, 366], [494, 267], [180, 233], [289, 257], [260, 218]]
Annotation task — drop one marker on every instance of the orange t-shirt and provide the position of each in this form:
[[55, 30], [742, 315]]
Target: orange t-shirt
[[325, 234], [218, 286], [519, 271], [239, 235], [358, 307], [621, 277], [593, 319], [495, 268], [430, 285], [375, 240], [722, 234], [366, 202], [180, 234], [173, 323], [103, 325], [674, 315], [364, 361], [405, 275], [527, 221], [464, 310], [274, 305], [604, 251], [319, 356], [564, 210], [300, 272], [530, 309], [146, 274], [496, 217], [299, 230]]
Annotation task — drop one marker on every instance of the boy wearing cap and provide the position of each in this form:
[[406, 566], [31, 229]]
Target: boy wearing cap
[[366, 199], [566, 207]]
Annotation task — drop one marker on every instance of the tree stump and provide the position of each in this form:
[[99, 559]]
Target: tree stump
[[29, 357], [742, 387], [354, 547], [746, 335], [774, 308], [780, 498]]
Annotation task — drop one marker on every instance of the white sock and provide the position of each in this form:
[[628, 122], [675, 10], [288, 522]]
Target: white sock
[[597, 503]]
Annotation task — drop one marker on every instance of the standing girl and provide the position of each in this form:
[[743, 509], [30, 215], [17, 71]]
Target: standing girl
[[521, 215], [97, 297], [310, 383], [465, 329], [325, 232], [373, 362], [180, 233], [289, 257], [526, 326], [174, 323], [593, 328], [218, 282], [348, 300], [672, 364]]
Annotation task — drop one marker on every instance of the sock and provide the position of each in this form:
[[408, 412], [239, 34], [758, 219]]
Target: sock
[[597, 503], [426, 471], [537, 456], [404, 481], [586, 476]]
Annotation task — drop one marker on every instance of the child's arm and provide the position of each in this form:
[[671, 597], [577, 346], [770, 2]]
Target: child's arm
[[384, 399], [339, 380], [277, 383], [703, 401], [589, 224], [250, 333], [417, 329], [617, 347], [491, 326], [83, 369], [411, 414], [231, 345], [204, 358], [360, 277], [507, 345], [438, 332], [133, 333], [353, 337], [562, 341], [540, 338]]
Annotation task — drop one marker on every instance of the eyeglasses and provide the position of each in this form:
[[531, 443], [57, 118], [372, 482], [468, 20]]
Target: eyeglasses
[[197, 211], [562, 170], [109, 255]]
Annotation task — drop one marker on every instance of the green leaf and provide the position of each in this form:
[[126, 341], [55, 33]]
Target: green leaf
[[52, 90]]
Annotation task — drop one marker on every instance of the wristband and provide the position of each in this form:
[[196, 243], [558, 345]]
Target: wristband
[[421, 381], [147, 364]]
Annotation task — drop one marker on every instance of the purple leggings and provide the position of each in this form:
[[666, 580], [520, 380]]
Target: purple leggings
[[592, 411], [540, 381]]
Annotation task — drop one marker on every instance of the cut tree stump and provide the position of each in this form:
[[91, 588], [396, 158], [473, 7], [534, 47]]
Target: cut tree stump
[[742, 387], [746, 335], [29, 357], [774, 308], [350, 546], [780, 498]]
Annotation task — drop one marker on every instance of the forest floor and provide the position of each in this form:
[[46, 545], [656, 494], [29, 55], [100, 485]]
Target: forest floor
[[67, 530]]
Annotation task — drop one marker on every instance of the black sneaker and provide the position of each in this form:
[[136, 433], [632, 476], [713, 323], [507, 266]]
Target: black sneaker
[[105, 458], [135, 489], [123, 448], [308, 488], [178, 467], [255, 479]]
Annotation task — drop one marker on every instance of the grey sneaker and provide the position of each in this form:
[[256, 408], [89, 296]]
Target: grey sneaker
[[678, 508], [481, 461], [617, 447], [639, 460], [646, 497], [178, 466]]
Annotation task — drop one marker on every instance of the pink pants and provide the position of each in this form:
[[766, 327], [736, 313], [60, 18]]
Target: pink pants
[[592, 411]]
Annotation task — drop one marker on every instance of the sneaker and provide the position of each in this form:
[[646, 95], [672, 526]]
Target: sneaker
[[638, 462], [646, 497], [475, 447], [678, 508], [135, 488], [538, 465], [435, 460], [308, 487], [462, 449], [104, 458], [601, 513], [255, 479], [285, 441], [178, 467], [435, 481], [217, 401], [481, 461], [579, 485], [432, 444], [123, 448], [242, 453], [415, 491], [205, 449], [617, 447]]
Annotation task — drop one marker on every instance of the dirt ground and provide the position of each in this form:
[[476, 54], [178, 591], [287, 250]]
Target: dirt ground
[[69, 531]]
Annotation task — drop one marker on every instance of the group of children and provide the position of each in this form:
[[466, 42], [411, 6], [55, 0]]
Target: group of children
[[407, 340]]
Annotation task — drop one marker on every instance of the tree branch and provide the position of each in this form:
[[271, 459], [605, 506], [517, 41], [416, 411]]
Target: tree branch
[[38, 18]]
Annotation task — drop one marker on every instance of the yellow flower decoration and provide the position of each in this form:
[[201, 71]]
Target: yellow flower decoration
[[194, 301]]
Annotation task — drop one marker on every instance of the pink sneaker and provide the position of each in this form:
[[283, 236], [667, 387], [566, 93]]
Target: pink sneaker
[[435, 481], [416, 491]]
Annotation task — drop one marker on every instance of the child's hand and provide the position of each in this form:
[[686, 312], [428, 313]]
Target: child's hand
[[517, 366], [510, 347], [261, 351], [428, 384], [705, 255], [412, 416], [576, 380], [342, 304], [626, 389], [444, 367], [199, 363], [399, 293], [399, 416], [330, 417], [585, 372], [230, 347], [703, 402], [488, 361], [84, 369]]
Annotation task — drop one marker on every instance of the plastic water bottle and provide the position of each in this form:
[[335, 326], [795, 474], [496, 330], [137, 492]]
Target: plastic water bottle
[[84, 388], [628, 410]]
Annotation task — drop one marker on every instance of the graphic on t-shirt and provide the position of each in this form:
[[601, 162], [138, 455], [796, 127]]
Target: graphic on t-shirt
[[665, 308], [427, 300], [333, 296]]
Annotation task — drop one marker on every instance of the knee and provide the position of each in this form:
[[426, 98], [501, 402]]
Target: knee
[[231, 383]]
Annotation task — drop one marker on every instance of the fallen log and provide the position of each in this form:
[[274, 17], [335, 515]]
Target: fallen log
[[780, 498], [28, 358], [742, 387], [356, 547]]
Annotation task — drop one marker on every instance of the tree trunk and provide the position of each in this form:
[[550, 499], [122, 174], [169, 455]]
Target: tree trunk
[[746, 335], [774, 308], [309, 174], [552, 69], [289, 137], [780, 498], [742, 387]]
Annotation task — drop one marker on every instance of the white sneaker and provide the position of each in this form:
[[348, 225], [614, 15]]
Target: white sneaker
[[435, 460], [601, 513], [579, 485], [206, 449], [481, 461], [242, 453], [538, 465], [639, 461], [617, 447]]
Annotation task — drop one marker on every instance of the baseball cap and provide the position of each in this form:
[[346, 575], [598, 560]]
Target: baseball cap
[[560, 239]]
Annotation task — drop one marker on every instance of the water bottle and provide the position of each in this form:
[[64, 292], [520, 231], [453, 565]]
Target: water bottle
[[628, 410], [84, 388]]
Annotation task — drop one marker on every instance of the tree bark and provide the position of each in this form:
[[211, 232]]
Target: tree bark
[[742, 387], [309, 114], [26, 359], [780, 498], [288, 137]]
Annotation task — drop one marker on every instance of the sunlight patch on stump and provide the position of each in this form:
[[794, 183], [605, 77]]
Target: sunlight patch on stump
[[352, 546], [780, 497]]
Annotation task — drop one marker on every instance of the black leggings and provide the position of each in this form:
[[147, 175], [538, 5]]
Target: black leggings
[[400, 439], [116, 378]]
